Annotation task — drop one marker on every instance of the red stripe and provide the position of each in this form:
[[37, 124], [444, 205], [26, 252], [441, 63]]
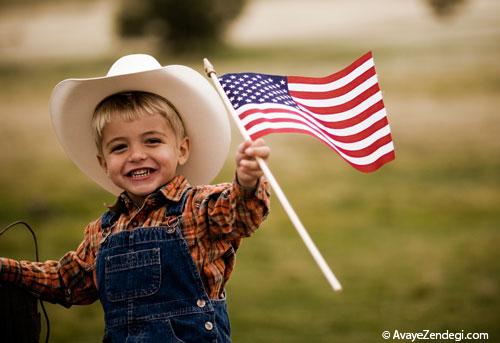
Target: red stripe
[[334, 76], [345, 106], [343, 124], [363, 168], [343, 139], [369, 149], [335, 92], [391, 155], [363, 134], [250, 111], [310, 118]]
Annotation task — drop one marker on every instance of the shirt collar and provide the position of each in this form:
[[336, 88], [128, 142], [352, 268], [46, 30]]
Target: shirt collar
[[172, 191], [175, 188]]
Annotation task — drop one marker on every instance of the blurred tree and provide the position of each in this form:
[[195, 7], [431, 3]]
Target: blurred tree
[[181, 25], [445, 8]]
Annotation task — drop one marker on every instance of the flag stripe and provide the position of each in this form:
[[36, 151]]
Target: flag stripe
[[280, 111], [275, 116], [335, 92], [335, 76], [349, 113], [317, 86], [356, 141], [358, 99], [344, 110], [354, 160]]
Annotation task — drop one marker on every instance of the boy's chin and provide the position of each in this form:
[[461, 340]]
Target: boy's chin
[[143, 192]]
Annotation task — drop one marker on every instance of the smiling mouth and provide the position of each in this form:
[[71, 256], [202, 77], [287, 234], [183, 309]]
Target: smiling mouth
[[140, 173]]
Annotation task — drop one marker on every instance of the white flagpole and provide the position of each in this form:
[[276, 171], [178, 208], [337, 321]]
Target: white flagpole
[[327, 272]]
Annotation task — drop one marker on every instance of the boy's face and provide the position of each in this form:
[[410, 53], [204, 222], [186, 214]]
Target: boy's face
[[142, 155]]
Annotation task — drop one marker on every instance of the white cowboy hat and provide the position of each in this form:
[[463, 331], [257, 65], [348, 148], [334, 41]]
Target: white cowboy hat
[[73, 102]]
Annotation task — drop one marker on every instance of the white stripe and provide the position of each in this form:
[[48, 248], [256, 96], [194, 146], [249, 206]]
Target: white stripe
[[348, 131], [339, 100], [358, 145], [307, 87], [350, 113], [365, 160], [328, 117]]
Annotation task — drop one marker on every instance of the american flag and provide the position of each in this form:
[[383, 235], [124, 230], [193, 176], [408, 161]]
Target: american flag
[[344, 110]]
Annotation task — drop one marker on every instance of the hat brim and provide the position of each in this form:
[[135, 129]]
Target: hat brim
[[73, 102]]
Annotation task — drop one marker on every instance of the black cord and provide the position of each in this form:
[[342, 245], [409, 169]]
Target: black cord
[[27, 226]]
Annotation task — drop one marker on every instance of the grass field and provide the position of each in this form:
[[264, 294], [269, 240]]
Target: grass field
[[415, 244]]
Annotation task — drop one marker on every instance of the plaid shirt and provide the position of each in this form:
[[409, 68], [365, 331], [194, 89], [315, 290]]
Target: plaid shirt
[[216, 217]]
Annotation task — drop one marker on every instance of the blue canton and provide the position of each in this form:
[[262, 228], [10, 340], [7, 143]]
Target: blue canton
[[251, 88]]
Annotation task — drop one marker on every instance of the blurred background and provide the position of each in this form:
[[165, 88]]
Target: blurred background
[[414, 244]]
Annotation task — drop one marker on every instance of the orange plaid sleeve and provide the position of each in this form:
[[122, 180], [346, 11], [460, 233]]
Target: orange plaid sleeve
[[67, 281], [235, 212]]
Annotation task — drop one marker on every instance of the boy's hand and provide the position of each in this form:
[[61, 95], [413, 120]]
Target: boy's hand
[[248, 170]]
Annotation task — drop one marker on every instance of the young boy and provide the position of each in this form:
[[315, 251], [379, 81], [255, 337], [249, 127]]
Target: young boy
[[159, 258]]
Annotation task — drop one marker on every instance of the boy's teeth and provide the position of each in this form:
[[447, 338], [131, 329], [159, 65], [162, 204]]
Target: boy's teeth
[[140, 173]]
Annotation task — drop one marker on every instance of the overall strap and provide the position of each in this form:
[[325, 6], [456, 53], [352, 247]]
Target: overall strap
[[108, 219], [176, 208]]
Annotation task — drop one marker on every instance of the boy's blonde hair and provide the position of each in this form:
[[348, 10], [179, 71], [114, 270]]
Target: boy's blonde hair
[[131, 106]]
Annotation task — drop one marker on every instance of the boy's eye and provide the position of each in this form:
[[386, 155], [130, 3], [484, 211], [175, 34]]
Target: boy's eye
[[153, 141], [118, 147]]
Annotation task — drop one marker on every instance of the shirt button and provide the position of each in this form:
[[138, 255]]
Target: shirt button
[[209, 326], [201, 303]]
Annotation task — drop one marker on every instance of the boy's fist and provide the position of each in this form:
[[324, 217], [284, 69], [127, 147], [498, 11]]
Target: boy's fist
[[248, 170]]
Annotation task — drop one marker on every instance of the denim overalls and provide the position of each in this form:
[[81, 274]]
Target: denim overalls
[[150, 288]]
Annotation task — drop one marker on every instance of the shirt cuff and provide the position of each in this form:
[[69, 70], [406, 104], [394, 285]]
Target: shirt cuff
[[260, 191]]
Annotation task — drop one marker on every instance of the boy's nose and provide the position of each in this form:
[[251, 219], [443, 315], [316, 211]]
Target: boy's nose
[[136, 154]]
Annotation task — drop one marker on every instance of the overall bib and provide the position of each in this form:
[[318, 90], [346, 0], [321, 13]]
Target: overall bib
[[150, 288]]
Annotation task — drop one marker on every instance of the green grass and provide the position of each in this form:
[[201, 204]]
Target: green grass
[[415, 244]]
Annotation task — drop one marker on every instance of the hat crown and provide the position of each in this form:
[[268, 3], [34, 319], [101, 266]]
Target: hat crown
[[134, 63]]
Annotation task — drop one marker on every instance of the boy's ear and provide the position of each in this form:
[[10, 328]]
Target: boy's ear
[[102, 162], [184, 151]]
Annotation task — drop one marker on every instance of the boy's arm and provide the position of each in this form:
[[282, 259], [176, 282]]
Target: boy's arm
[[232, 210], [67, 281], [239, 210]]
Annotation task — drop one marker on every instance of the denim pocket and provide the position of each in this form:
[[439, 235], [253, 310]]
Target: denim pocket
[[133, 275], [172, 335]]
